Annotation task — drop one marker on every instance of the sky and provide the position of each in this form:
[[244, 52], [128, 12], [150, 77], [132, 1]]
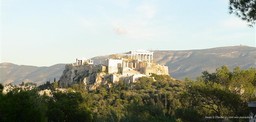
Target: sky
[[47, 32]]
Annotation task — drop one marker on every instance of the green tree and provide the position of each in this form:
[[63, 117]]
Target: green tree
[[242, 82], [210, 100], [223, 75], [1, 88], [67, 107], [244, 9], [148, 112], [24, 106]]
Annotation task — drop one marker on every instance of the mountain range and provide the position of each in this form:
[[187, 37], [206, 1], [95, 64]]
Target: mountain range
[[16, 74], [191, 63], [181, 63]]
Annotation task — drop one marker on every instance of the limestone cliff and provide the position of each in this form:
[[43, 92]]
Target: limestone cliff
[[92, 76], [73, 74]]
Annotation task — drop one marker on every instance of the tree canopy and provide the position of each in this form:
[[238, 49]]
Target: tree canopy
[[222, 93], [244, 9]]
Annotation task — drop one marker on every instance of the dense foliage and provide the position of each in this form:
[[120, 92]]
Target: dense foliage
[[223, 93], [245, 9]]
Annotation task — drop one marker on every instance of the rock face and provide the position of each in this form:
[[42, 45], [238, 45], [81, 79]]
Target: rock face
[[92, 76], [73, 74]]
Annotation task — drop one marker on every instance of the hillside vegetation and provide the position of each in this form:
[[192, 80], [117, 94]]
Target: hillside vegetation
[[223, 93]]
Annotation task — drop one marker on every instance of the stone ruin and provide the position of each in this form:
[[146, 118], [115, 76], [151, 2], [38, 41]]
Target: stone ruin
[[128, 67]]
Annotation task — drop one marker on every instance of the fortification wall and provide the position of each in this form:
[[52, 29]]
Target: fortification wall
[[155, 69]]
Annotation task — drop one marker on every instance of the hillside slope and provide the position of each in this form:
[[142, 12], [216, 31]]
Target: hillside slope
[[12, 73], [182, 64], [190, 63]]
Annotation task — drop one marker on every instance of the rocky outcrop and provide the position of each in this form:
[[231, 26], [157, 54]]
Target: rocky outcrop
[[73, 74], [91, 75], [113, 71]]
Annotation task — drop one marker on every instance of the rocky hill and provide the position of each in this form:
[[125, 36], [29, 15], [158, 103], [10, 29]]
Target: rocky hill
[[186, 63]]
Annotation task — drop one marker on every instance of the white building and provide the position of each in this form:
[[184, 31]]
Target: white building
[[133, 62], [114, 65]]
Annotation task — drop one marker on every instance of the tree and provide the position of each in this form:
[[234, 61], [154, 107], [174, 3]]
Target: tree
[[147, 112], [1, 88], [244, 9], [67, 107], [203, 99], [223, 75], [22, 106]]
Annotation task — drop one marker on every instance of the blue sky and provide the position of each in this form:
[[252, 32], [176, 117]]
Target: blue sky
[[46, 32]]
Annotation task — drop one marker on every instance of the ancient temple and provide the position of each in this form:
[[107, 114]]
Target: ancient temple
[[141, 55]]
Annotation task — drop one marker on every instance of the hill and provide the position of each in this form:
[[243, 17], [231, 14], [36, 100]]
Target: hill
[[182, 64], [191, 63], [12, 73]]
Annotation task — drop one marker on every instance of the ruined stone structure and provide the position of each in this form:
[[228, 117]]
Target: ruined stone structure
[[82, 61], [128, 67], [134, 63], [124, 66], [141, 55], [156, 69]]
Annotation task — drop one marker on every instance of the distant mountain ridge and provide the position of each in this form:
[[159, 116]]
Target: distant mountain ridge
[[185, 63], [16, 74], [191, 63]]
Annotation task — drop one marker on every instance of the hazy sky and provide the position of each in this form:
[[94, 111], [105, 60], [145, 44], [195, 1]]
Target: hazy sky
[[46, 32]]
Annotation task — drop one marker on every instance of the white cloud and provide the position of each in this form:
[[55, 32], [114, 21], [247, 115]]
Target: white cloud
[[120, 30], [140, 32], [134, 29], [137, 25]]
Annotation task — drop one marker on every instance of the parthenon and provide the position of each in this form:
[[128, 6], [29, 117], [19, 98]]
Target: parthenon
[[141, 55]]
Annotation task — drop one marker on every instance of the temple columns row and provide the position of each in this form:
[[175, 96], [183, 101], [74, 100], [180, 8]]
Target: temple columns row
[[147, 57]]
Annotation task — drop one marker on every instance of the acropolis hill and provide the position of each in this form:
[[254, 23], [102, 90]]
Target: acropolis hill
[[182, 64], [127, 67]]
